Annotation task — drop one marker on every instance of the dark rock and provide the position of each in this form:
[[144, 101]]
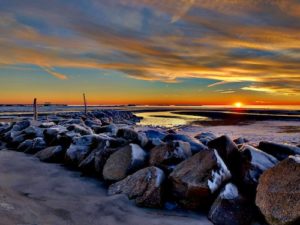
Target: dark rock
[[21, 125], [230, 208], [228, 151], [65, 139], [253, 163], [111, 128], [132, 136], [101, 157], [280, 151], [80, 148], [169, 154], [92, 122], [144, 186], [154, 134], [205, 137], [27, 144], [33, 132], [37, 145], [278, 193], [53, 154], [51, 134], [196, 146], [240, 141], [82, 130], [123, 162], [195, 180]]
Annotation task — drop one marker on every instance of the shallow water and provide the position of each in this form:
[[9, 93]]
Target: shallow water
[[167, 119]]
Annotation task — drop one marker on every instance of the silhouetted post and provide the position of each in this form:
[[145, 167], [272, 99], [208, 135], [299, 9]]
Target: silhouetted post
[[34, 109], [84, 101]]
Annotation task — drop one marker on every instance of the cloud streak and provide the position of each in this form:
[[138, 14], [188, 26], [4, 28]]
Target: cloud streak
[[221, 40]]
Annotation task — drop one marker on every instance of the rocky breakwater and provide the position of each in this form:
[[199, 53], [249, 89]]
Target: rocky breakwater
[[235, 182]]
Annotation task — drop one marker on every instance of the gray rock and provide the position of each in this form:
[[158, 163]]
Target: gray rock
[[144, 186], [240, 141], [205, 137], [253, 163], [123, 162], [82, 130], [37, 145], [167, 155], [195, 180], [230, 208], [111, 128], [280, 151], [196, 146], [53, 154]]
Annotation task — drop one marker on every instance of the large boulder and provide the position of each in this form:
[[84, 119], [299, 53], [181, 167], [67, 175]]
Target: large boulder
[[196, 146], [278, 193], [35, 146], [53, 154], [228, 151], [205, 137], [101, 157], [111, 128], [123, 162], [21, 125], [51, 134], [230, 208], [33, 132], [81, 129], [253, 163], [80, 148], [167, 155], [195, 180], [132, 136], [144, 186], [280, 151]]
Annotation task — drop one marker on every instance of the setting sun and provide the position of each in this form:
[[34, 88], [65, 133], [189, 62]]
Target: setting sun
[[238, 104]]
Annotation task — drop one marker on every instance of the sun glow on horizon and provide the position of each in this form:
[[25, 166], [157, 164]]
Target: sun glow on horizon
[[238, 104]]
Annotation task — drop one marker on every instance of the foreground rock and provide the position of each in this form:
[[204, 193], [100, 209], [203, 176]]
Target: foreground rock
[[195, 180], [53, 154], [205, 137], [278, 193], [144, 186], [123, 162], [230, 208], [253, 163], [169, 154], [228, 151], [280, 151]]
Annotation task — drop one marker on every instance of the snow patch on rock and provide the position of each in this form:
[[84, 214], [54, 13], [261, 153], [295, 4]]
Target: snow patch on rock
[[230, 192], [218, 176], [160, 177], [296, 158], [137, 152]]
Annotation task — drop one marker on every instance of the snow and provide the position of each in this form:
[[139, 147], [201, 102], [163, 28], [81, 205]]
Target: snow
[[137, 152], [160, 177], [220, 175], [296, 158], [230, 192]]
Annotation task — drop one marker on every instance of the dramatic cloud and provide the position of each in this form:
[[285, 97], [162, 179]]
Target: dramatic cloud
[[226, 41]]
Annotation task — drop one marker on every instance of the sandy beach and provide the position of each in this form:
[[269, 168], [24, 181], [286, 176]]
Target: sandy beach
[[32, 192]]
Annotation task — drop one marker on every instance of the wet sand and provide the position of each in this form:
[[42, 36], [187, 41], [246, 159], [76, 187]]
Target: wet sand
[[36, 193]]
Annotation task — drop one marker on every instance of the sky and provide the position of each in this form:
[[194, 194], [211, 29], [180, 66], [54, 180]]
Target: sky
[[185, 52]]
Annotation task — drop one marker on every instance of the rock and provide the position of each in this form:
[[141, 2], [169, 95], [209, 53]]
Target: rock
[[53, 154], [111, 128], [27, 144], [101, 157], [133, 136], [65, 139], [123, 162], [16, 140], [80, 148], [195, 180], [230, 208], [280, 151], [5, 128], [51, 134], [253, 163], [196, 146], [228, 151], [91, 123], [33, 132], [169, 154], [278, 193], [80, 129], [240, 141], [144, 186], [205, 137], [37, 145], [154, 134], [21, 125], [47, 124]]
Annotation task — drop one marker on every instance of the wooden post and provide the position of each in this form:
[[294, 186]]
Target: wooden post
[[34, 109], [85, 106]]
